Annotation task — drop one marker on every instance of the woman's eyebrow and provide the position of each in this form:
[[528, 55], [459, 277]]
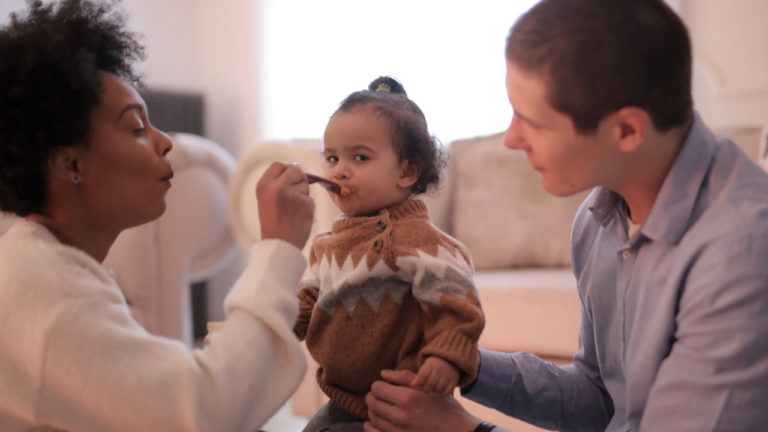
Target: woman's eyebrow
[[137, 106]]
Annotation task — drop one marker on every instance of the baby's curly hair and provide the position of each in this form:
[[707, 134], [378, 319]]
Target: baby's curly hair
[[49, 86], [411, 137]]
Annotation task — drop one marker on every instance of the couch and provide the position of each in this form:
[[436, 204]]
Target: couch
[[518, 235], [156, 263], [523, 276]]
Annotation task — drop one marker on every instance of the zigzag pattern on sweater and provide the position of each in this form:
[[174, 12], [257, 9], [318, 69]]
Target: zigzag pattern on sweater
[[427, 275]]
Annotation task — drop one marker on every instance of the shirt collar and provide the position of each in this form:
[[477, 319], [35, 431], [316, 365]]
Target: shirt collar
[[671, 212]]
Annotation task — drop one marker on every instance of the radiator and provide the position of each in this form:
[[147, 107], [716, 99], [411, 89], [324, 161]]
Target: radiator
[[175, 111]]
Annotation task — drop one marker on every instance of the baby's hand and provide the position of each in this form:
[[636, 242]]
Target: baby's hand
[[436, 376]]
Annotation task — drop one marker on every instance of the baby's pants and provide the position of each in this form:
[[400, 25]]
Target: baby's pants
[[331, 418]]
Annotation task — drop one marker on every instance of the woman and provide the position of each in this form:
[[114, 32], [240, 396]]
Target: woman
[[80, 161]]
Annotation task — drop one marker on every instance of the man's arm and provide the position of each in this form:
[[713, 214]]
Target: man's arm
[[715, 377]]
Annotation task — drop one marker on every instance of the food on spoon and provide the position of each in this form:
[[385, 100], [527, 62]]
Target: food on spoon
[[213, 327], [344, 190]]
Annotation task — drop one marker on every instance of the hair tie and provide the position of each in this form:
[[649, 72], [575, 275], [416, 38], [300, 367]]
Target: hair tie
[[383, 87]]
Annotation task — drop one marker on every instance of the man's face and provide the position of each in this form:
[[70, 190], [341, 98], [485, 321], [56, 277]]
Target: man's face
[[568, 161]]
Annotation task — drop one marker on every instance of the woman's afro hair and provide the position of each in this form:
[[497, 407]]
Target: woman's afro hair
[[49, 86]]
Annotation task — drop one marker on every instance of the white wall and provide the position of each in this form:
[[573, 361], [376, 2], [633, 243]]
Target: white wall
[[205, 46], [730, 44]]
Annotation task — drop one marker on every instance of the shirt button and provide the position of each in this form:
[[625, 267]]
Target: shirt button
[[626, 254], [378, 244], [381, 226]]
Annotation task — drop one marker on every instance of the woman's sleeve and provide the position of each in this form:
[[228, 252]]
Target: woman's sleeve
[[103, 372]]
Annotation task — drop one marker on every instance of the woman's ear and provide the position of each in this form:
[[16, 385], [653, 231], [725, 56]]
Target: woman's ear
[[408, 174], [63, 164]]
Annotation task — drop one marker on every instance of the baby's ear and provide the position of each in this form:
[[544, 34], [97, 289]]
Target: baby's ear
[[409, 174]]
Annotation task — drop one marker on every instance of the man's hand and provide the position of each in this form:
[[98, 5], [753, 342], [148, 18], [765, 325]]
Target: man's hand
[[436, 376], [286, 211], [395, 407]]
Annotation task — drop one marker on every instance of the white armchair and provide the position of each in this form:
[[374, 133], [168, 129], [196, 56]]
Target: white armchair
[[154, 264]]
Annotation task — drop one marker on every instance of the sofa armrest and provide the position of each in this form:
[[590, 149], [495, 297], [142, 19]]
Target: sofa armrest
[[243, 208], [154, 264]]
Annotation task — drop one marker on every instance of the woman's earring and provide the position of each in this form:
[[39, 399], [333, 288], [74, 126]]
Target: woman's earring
[[76, 178]]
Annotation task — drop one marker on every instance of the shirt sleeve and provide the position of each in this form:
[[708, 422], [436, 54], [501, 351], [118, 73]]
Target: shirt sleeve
[[103, 372], [715, 377], [565, 398]]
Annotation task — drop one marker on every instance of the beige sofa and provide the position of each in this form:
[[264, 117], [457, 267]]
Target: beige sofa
[[492, 201], [518, 235]]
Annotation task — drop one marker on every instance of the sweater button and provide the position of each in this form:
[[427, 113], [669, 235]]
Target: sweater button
[[381, 226], [378, 244]]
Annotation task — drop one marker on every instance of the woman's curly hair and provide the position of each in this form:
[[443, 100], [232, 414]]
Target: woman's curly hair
[[49, 87], [410, 135]]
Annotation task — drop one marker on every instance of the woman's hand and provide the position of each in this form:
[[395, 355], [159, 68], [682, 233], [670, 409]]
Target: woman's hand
[[395, 407], [286, 211]]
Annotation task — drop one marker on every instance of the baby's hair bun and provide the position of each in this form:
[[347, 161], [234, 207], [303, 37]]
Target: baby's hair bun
[[387, 84]]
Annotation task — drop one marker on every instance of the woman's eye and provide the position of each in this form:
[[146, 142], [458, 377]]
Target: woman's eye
[[332, 159], [361, 158]]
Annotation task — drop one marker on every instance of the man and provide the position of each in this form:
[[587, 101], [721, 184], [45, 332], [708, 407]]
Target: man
[[670, 250]]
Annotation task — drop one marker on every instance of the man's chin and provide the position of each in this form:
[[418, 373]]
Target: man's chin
[[561, 190]]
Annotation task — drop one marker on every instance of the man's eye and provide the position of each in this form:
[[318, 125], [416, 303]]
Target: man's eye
[[361, 158], [332, 159]]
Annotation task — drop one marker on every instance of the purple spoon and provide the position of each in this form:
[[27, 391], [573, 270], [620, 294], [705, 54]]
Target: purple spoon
[[329, 185]]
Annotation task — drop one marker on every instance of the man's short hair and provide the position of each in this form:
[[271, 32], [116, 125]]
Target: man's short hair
[[598, 56]]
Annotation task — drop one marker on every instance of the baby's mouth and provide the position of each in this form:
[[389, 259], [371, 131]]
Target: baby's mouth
[[345, 191]]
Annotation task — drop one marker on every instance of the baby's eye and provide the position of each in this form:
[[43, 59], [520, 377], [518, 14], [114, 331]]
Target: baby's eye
[[332, 159], [139, 132], [361, 158]]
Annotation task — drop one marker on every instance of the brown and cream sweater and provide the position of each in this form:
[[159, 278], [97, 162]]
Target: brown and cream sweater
[[387, 291]]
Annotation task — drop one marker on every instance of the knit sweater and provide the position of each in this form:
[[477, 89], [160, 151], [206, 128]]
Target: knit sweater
[[387, 291], [72, 358]]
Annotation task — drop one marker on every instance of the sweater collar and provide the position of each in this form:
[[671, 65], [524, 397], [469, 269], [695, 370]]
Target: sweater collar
[[74, 255], [410, 208]]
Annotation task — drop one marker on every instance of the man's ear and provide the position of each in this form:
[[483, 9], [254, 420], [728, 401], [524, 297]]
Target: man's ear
[[630, 127], [408, 174], [63, 163]]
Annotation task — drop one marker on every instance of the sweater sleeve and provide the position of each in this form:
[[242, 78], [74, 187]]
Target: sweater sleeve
[[453, 320], [307, 298], [103, 372]]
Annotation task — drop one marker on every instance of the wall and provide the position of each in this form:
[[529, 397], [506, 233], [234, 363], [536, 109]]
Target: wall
[[209, 47], [730, 60]]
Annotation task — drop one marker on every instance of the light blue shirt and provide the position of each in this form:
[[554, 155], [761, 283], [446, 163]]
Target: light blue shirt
[[674, 321]]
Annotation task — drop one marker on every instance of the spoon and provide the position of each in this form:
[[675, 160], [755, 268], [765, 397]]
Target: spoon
[[329, 185]]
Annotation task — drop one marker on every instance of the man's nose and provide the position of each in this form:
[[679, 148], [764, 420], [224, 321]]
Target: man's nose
[[513, 139]]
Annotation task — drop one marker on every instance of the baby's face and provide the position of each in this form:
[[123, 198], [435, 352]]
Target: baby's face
[[359, 154]]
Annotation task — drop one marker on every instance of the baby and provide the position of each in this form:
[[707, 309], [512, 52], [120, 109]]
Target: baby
[[389, 290]]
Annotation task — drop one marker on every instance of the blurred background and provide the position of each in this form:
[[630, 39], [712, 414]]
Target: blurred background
[[276, 69]]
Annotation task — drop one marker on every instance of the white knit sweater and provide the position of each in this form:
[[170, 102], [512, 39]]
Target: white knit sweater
[[73, 359]]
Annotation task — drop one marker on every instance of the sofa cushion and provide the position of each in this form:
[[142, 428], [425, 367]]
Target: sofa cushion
[[501, 211]]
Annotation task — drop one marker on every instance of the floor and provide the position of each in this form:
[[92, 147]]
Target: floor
[[285, 421]]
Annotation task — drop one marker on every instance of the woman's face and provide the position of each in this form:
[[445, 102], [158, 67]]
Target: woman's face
[[123, 166]]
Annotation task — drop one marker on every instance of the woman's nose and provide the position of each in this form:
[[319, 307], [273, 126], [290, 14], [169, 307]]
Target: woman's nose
[[163, 143]]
